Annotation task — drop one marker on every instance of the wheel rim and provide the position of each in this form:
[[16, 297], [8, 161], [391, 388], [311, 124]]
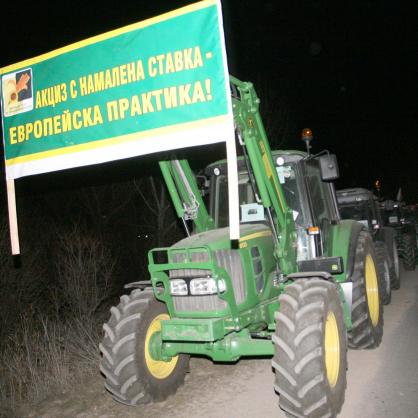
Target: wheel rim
[[372, 290], [332, 349], [158, 369]]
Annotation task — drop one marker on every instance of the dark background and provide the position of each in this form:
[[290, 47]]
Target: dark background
[[345, 69]]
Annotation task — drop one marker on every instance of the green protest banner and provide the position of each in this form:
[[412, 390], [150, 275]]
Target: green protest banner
[[154, 85]]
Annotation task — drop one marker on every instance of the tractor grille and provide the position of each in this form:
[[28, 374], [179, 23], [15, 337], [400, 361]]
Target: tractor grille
[[226, 259], [231, 262]]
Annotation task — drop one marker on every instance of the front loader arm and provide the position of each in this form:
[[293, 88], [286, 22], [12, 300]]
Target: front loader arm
[[185, 194], [250, 126]]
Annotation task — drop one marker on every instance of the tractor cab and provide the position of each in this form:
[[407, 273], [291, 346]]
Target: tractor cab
[[310, 199], [361, 205]]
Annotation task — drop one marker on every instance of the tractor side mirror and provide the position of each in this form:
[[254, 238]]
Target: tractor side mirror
[[329, 167]]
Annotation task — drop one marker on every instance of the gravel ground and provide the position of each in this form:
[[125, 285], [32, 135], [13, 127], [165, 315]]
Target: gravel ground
[[381, 383]]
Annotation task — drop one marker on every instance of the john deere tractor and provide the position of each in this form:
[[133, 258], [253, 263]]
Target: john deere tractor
[[396, 217], [363, 206], [298, 286]]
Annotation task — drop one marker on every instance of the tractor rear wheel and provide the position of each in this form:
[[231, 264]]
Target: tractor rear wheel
[[133, 375], [408, 251], [383, 264], [389, 238], [366, 309], [395, 276], [310, 360]]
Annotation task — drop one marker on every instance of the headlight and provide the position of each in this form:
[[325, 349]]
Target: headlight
[[206, 286], [178, 287]]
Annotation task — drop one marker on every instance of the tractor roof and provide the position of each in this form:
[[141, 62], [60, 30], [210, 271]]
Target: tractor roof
[[288, 155], [356, 194]]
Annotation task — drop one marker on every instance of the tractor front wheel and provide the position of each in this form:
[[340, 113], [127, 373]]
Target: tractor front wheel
[[134, 373], [310, 360]]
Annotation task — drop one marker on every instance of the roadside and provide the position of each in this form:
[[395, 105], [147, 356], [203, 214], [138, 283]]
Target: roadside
[[382, 383]]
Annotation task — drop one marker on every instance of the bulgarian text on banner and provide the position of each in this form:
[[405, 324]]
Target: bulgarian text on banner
[[155, 85]]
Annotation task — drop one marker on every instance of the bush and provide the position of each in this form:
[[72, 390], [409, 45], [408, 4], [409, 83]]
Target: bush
[[51, 326], [45, 356], [84, 270]]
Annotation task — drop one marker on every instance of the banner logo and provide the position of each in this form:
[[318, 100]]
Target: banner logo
[[17, 92]]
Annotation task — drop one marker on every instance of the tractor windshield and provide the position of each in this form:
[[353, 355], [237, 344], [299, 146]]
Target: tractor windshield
[[358, 211], [291, 182], [250, 210]]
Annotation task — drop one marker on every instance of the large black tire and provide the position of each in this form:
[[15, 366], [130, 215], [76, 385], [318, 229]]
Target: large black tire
[[310, 360], [366, 309], [389, 237], [395, 275], [383, 266], [408, 251], [132, 376]]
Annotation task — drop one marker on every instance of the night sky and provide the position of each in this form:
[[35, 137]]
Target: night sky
[[347, 70]]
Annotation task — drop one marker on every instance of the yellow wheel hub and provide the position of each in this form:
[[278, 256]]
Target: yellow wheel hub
[[158, 369], [332, 349], [372, 290]]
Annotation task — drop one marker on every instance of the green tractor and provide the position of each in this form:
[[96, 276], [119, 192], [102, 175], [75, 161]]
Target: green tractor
[[298, 286], [363, 206], [401, 222]]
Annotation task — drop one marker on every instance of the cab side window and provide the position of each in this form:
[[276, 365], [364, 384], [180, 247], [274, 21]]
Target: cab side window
[[320, 193]]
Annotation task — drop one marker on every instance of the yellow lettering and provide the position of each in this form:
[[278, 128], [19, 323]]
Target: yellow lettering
[[29, 130], [64, 95], [151, 70], [184, 94], [77, 123], [122, 70], [115, 77], [169, 64], [12, 135], [97, 115], [198, 94], [87, 121], [170, 97], [130, 72], [140, 74], [37, 129], [99, 82], [47, 127], [90, 85], [83, 85], [187, 56], [198, 61], [123, 107], [38, 100], [146, 103], [135, 106], [112, 111], [20, 133], [57, 124], [178, 61], [73, 91], [108, 80], [157, 96], [66, 119], [160, 59]]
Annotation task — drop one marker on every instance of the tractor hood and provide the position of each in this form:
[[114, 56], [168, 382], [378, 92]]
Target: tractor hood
[[218, 239]]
